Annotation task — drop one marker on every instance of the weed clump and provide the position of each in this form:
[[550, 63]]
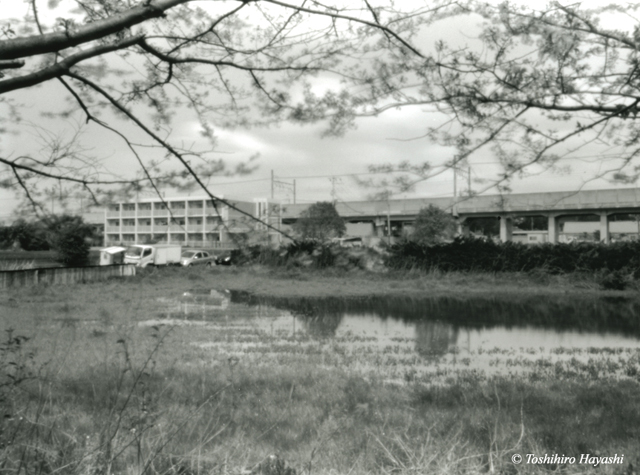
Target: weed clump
[[614, 280]]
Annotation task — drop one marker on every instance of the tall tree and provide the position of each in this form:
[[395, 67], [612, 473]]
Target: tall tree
[[321, 222], [133, 69], [70, 237], [529, 86], [432, 226], [30, 235]]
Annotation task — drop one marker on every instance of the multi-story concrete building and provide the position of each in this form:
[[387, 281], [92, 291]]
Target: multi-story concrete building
[[190, 221]]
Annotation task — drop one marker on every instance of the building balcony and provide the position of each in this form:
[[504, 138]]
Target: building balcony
[[113, 214], [192, 227], [223, 212], [160, 212], [177, 227], [145, 212], [127, 213], [208, 244], [112, 229], [128, 229], [144, 229], [193, 243], [159, 228], [195, 211]]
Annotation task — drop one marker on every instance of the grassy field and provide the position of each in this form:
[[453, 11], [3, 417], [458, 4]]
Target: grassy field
[[301, 282], [96, 379]]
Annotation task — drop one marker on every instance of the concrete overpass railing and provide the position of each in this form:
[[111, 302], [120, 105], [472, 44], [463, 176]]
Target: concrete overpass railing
[[553, 205]]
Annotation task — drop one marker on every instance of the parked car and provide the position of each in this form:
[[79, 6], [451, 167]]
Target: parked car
[[348, 242], [197, 258], [224, 260]]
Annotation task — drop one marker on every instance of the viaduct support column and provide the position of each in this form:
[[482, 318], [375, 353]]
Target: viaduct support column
[[553, 229], [506, 228], [462, 227], [604, 228]]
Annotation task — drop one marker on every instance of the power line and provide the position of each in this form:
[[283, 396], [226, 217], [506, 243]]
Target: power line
[[239, 182]]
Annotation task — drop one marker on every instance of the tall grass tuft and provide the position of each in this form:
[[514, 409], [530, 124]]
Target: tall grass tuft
[[109, 419]]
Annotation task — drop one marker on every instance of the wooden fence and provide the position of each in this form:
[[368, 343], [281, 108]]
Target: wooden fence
[[62, 275]]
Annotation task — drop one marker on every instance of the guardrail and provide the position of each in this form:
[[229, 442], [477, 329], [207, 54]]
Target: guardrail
[[63, 275]]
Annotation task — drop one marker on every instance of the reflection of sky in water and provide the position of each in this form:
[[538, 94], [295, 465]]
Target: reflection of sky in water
[[530, 337], [441, 337], [427, 336], [372, 325], [405, 345]]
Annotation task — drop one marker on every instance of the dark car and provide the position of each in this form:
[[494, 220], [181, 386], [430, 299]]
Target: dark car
[[224, 260]]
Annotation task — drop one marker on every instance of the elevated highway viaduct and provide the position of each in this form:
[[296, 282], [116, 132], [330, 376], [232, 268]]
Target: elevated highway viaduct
[[506, 207]]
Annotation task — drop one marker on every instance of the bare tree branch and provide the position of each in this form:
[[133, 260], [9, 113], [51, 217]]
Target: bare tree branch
[[170, 149], [53, 42], [59, 69]]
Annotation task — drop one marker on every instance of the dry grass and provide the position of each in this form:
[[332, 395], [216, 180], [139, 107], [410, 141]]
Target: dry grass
[[99, 389]]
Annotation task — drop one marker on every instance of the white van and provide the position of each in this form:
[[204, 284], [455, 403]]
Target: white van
[[143, 255]]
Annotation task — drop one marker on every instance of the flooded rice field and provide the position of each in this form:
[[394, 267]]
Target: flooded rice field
[[427, 340]]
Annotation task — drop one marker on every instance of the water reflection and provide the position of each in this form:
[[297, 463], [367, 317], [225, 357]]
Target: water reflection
[[430, 326], [321, 326], [587, 314], [439, 325], [435, 338]]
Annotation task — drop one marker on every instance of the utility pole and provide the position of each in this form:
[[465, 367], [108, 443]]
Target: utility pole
[[281, 184], [454, 209], [455, 181], [334, 195], [389, 219]]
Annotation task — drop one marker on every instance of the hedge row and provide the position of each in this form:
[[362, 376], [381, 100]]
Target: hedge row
[[469, 254]]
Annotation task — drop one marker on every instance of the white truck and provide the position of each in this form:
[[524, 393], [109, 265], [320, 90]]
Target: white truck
[[143, 255]]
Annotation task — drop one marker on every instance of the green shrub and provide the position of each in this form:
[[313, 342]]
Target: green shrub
[[70, 243], [320, 222], [614, 280], [471, 254]]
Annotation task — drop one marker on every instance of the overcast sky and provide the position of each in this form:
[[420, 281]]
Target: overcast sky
[[323, 168]]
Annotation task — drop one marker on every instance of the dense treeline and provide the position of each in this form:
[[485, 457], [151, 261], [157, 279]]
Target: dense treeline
[[461, 255], [470, 254], [68, 235], [26, 235]]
